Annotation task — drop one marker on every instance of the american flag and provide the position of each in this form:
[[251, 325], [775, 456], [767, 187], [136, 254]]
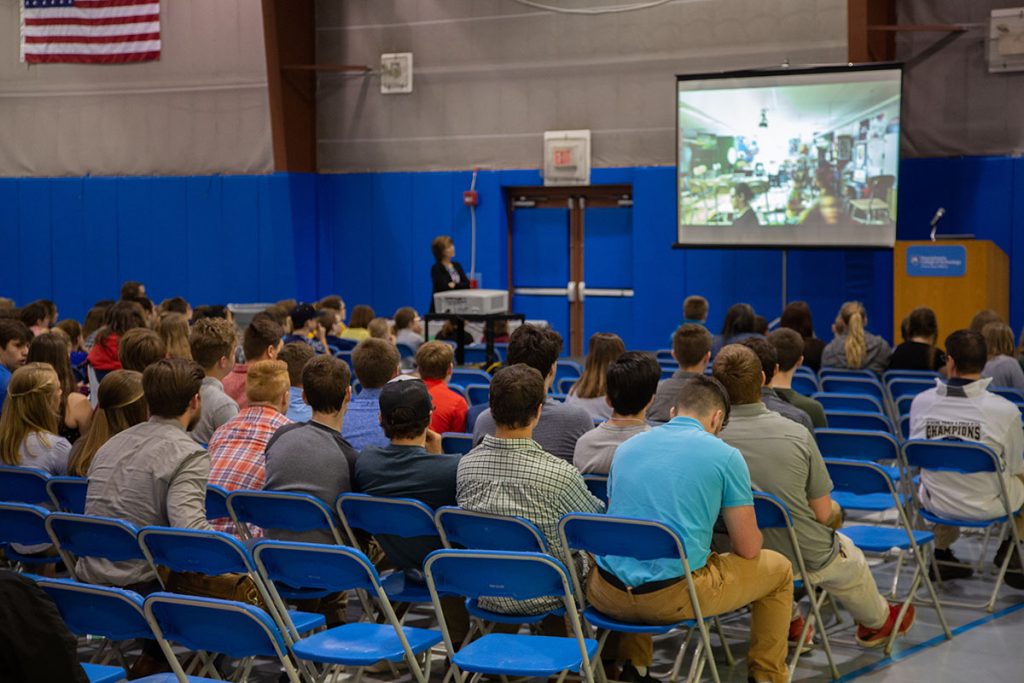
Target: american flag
[[90, 31]]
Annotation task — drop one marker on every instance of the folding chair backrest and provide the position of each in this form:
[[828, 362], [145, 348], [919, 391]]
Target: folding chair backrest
[[802, 384], [906, 386], [905, 427], [964, 457], [216, 502], [24, 524], [910, 374], [563, 385], [834, 401], [466, 376], [460, 390], [666, 372], [857, 373], [857, 444], [310, 565], [641, 539], [113, 613], [403, 517], [89, 536], [280, 510], [859, 477], [490, 573], [567, 369], [477, 353], [1009, 393], [193, 550], [405, 351], [664, 355], [853, 385], [855, 419], [598, 485], [482, 531], [23, 485], [478, 394], [456, 443], [68, 493], [804, 371], [771, 512]]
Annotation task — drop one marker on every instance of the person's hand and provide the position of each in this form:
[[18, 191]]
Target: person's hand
[[433, 444]]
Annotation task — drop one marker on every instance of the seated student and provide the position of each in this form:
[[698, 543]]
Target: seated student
[[560, 425], [450, 332], [376, 363], [797, 316], [93, 322], [213, 346], [75, 342], [36, 317], [681, 474], [118, 319], [14, 341], [509, 473], [765, 352], [149, 312], [1001, 366], [963, 408], [500, 334], [237, 447], [176, 304], [357, 324], [784, 461], [139, 348], [789, 351], [261, 341], [306, 328], [121, 405], [589, 391], [381, 328], [333, 302], [918, 351], [853, 346], [312, 457], [435, 362], [695, 310], [29, 422], [75, 411], [691, 348], [740, 323], [631, 380], [174, 329], [131, 289], [408, 327], [297, 355], [984, 317]]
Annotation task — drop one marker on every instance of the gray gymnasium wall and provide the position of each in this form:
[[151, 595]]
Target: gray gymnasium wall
[[952, 104], [490, 76], [203, 108]]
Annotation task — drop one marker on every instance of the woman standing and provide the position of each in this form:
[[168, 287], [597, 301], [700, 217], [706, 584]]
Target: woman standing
[[445, 274]]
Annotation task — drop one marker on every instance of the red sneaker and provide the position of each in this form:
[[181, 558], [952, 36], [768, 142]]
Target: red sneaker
[[796, 627], [875, 637]]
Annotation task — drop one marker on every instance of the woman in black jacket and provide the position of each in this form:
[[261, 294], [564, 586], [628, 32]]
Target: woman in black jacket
[[445, 274]]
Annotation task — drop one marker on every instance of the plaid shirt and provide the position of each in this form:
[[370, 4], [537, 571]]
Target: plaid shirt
[[517, 477], [237, 453]]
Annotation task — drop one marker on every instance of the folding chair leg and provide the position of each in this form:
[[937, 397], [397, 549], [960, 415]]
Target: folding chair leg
[[896, 576], [602, 637], [729, 659], [705, 639], [678, 663], [922, 571], [697, 663]]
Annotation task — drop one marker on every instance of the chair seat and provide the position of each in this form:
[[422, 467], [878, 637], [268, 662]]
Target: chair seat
[[873, 502], [400, 590], [601, 620], [171, 678], [971, 523], [97, 673], [363, 644], [515, 655], [474, 608], [876, 539], [306, 621]]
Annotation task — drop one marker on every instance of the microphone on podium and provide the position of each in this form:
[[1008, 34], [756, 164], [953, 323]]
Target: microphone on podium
[[935, 220]]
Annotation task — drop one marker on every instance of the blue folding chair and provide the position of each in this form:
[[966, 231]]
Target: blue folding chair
[[567, 369], [804, 385], [856, 419], [343, 343], [466, 376], [858, 402], [874, 446], [68, 493], [113, 613], [456, 443], [864, 478], [598, 485], [905, 427], [100, 673], [379, 516], [907, 387], [804, 371], [77, 536], [296, 512], [344, 356], [1015, 396], [240, 631], [405, 351], [641, 539], [910, 374], [333, 569], [216, 503], [563, 385], [854, 385], [772, 513], [23, 485], [213, 553], [666, 372], [902, 406], [476, 354], [664, 356], [460, 390], [519, 576], [965, 457], [843, 373], [25, 525], [479, 394]]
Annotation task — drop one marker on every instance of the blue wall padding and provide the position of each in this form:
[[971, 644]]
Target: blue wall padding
[[217, 239]]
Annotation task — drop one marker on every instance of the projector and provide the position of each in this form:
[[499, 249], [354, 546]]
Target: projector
[[472, 301]]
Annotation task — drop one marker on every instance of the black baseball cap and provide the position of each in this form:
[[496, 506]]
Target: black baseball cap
[[302, 314], [406, 401]]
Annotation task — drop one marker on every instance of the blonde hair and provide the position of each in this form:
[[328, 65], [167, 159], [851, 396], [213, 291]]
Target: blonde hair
[[851, 321], [174, 330], [605, 349], [998, 339], [121, 404], [27, 409], [266, 381]]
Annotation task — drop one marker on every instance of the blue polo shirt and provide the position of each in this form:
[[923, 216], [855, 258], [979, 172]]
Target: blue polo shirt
[[682, 476]]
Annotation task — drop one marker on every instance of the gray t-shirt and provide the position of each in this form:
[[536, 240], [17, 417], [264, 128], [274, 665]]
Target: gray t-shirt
[[597, 407], [665, 398], [789, 411], [784, 461], [557, 432], [876, 353], [596, 448], [410, 338], [1005, 372], [217, 409], [47, 452]]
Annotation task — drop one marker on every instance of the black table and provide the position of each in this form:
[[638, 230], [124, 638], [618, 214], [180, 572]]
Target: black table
[[460, 320]]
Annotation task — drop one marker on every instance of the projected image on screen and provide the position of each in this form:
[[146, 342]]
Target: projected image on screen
[[797, 158]]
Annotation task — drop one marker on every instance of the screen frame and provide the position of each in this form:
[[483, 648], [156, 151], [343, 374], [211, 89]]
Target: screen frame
[[782, 71]]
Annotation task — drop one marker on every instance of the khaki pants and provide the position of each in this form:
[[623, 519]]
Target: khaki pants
[[946, 536], [726, 583], [848, 579]]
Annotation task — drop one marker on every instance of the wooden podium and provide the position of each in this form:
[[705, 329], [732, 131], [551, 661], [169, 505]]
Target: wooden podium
[[955, 278]]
